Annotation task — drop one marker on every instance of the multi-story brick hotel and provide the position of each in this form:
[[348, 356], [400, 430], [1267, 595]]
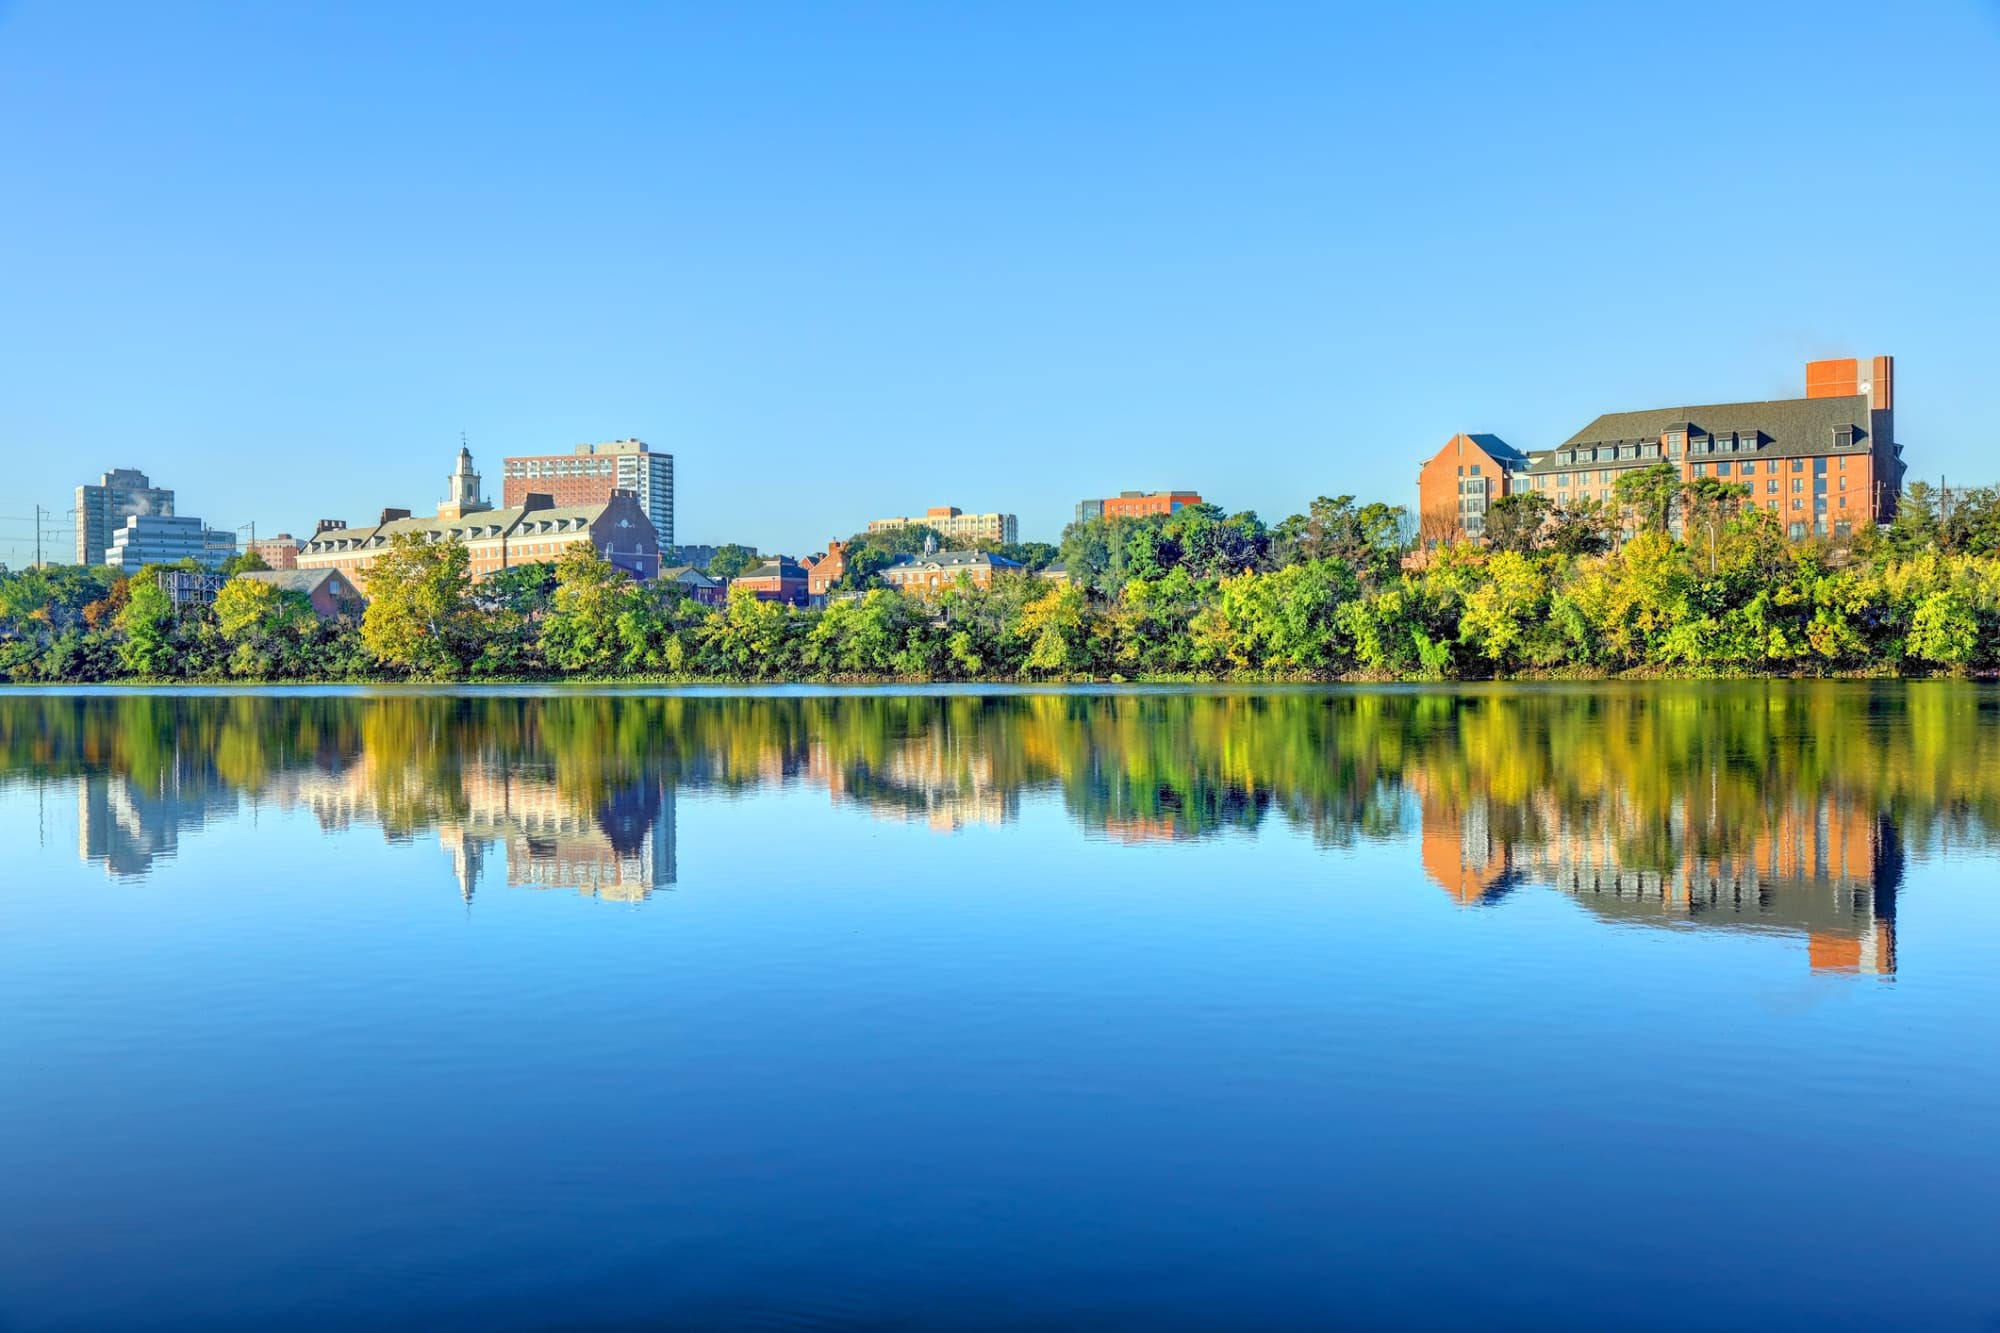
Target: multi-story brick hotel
[[589, 473], [1821, 464], [536, 531]]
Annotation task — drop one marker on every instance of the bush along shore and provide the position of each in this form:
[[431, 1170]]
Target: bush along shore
[[1704, 586]]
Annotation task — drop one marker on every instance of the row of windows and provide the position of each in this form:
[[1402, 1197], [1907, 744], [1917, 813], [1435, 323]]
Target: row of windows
[[1724, 468], [558, 467], [1748, 467]]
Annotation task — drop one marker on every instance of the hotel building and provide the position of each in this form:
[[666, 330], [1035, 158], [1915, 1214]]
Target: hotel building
[[1821, 464]]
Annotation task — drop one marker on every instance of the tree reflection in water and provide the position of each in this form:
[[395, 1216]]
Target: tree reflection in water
[[1767, 806]]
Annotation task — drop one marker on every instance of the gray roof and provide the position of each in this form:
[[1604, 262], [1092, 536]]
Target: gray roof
[[774, 569], [1497, 447], [946, 560], [1781, 428], [689, 575], [306, 581], [513, 522]]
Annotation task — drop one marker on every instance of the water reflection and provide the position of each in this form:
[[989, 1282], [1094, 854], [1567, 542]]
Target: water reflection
[[1767, 807]]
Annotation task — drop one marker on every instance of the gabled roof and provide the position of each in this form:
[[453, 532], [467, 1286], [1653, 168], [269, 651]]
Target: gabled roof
[[689, 575], [306, 581]]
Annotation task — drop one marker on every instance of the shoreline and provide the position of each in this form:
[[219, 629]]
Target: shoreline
[[1636, 676]]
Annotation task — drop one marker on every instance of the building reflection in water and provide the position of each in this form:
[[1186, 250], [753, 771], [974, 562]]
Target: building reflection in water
[[125, 826], [1827, 870], [620, 849], [1754, 808]]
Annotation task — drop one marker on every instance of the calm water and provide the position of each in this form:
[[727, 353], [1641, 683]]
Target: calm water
[[1658, 1007]]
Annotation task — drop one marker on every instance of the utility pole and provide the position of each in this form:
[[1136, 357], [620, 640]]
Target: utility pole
[[38, 536]]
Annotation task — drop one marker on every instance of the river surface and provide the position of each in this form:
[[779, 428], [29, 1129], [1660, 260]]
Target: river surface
[[1655, 1007]]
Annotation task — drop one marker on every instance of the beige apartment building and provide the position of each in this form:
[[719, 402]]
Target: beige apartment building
[[958, 526]]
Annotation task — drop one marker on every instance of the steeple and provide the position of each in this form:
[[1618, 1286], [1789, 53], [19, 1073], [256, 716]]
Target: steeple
[[461, 495]]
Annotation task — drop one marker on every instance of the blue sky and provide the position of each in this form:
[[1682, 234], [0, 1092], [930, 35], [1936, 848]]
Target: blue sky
[[846, 260]]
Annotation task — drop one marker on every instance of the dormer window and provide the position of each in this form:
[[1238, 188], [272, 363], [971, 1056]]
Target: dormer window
[[1843, 437]]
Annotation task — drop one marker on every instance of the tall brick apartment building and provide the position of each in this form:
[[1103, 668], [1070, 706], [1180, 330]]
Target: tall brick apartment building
[[1821, 464], [589, 473]]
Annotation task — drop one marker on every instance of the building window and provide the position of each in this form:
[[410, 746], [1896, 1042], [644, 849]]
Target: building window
[[1771, 486], [1843, 437], [1722, 469], [1696, 468]]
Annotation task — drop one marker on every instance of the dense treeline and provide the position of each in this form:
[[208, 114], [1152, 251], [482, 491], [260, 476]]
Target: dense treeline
[[1327, 594]]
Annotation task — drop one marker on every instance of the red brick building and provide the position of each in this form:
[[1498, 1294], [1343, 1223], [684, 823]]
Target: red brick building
[[1460, 482], [778, 580], [924, 575], [827, 570], [279, 552]]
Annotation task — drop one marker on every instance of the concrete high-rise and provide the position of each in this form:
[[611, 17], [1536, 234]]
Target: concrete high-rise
[[157, 539], [589, 473], [102, 509]]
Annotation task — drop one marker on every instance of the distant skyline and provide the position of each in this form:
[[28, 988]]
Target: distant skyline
[[845, 261]]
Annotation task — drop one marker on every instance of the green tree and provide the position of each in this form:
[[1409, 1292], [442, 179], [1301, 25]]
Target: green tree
[[148, 623], [244, 607], [1652, 493], [731, 560], [1579, 528], [1709, 503], [1515, 522], [586, 627], [1057, 626], [419, 617]]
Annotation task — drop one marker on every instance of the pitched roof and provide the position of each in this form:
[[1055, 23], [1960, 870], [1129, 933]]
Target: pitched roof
[[689, 575], [1780, 428], [514, 522], [1496, 446], [773, 569], [943, 560], [306, 581]]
